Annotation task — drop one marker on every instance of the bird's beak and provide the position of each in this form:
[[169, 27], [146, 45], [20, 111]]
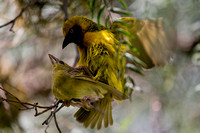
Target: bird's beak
[[53, 59], [66, 41]]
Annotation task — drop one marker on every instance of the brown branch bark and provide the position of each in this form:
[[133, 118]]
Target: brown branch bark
[[27, 106], [65, 8], [12, 22]]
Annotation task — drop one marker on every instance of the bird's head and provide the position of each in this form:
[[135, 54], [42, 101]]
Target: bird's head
[[74, 29], [58, 64]]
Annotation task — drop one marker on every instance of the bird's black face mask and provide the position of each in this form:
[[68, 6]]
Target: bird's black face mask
[[74, 35]]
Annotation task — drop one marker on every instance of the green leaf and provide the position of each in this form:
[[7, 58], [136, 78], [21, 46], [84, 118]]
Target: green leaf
[[134, 59], [119, 11], [122, 22], [120, 73], [99, 14], [116, 54], [106, 21], [125, 89], [93, 8], [134, 49], [123, 4], [105, 2], [131, 80], [88, 4], [133, 68], [128, 89], [123, 32]]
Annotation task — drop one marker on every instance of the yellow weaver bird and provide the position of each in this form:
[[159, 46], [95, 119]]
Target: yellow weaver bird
[[77, 88], [102, 52], [97, 47], [97, 44]]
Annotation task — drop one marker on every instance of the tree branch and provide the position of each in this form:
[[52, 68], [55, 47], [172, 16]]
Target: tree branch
[[55, 107], [65, 8], [12, 22]]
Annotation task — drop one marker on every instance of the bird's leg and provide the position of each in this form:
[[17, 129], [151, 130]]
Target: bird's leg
[[73, 102], [67, 103], [88, 101], [91, 98]]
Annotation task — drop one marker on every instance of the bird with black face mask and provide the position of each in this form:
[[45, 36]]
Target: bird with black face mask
[[102, 50], [97, 48]]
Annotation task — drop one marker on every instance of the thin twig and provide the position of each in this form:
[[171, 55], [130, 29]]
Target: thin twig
[[54, 108], [53, 115], [55, 120], [12, 96], [25, 103], [19, 15], [36, 113], [64, 7], [46, 128]]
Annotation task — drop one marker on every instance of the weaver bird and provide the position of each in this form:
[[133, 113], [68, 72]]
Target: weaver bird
[[97, 48], [77, 88], [97, 45], [100, 48]]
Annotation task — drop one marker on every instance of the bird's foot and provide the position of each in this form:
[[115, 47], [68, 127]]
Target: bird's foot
[[88, 101], [67, 103]]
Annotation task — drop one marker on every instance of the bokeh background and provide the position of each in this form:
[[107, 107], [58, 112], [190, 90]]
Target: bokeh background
[[166, 99]]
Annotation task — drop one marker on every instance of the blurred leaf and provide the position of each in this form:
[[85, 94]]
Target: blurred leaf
[[125, 91], [133, 68], [196, 55], [116, 54], [119, 11], [93, 8], [120, 21], [134, 49], [123, 4], [125, 88], [136, 88], [99, 14], [128, 88], [123, 32], [196, 58], [120, 72], [106, 21], [134, 59], [131, 80], [88, 4]]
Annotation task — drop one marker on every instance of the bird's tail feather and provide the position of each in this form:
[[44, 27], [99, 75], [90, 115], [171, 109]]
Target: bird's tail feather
[[95, 117]]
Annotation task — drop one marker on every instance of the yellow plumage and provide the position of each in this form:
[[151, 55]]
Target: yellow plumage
[[102, 53], [97, 48], [74, 84]]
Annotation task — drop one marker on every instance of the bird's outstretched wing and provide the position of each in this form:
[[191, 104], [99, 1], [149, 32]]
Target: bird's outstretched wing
[[147, 36]]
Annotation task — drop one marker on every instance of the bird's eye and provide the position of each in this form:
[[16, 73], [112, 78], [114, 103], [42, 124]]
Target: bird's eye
[[61, 62], [71, 31]]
